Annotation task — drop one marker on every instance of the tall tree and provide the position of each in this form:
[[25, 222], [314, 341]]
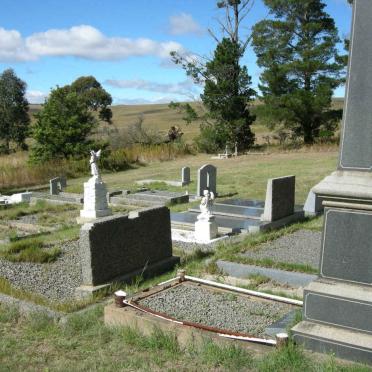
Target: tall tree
[[227, 91], [14, 119], [297, 51], [95, 97], [62, 127]]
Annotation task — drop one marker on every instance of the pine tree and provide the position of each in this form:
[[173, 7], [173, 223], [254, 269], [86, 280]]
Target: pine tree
[[226, 96], [297, 51], [224, 113]]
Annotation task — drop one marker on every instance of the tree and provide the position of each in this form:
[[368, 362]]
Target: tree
[[62, 127], [301, 66], [14, 119], [95, 97], [227, 91]]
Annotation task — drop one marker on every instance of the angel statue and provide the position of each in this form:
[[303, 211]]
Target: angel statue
[[206, 204], [94, 156]]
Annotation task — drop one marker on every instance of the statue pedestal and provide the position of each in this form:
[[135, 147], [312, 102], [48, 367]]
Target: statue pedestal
[[95, 202], [206, 228]]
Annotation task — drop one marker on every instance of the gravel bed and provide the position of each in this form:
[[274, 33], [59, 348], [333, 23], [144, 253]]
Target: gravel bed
[[301, 247], [218, 309], [56, 280]]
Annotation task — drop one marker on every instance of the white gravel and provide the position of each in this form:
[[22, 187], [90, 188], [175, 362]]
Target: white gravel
[[218, 309]]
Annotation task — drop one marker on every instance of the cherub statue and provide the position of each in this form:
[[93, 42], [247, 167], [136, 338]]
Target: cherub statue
[[206, 204], [94, 156]]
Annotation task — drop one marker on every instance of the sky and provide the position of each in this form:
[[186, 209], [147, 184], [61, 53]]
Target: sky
[[124, 44]]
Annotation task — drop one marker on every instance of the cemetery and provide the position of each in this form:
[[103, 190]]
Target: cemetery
[[227, 253]]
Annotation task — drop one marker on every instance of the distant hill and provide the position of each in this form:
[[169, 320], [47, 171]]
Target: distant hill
[[160, 117]]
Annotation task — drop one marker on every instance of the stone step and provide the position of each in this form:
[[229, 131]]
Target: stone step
[[341, 304], [344, 343]]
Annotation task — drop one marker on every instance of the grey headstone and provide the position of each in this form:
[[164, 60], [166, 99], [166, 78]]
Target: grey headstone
[[207, 176], [313, 205], [185, 175], [54, 186], [63, 182], [280, 198], [356, 149], [346, 251], [114, 246]]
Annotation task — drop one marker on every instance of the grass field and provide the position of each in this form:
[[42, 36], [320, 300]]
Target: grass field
[[245, 176]]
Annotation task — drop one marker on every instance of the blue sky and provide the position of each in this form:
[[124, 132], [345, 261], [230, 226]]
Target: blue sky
[[125, 44]]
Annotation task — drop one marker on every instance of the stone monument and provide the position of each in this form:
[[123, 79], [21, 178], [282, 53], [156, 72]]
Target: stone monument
[[207, 175], [206, 227], [338, 305], [95, 200]]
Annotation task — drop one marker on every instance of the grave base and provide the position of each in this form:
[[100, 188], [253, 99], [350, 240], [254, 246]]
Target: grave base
[[206, 230], [87, 291], [344, 343]]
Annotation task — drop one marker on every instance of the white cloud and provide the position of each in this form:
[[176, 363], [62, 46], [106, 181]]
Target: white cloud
[[184, 87], [184, 24], [36, 96], [142, 101], [82, 41]]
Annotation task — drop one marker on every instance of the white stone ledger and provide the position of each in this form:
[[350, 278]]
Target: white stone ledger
[[206, 227], [95, 191]]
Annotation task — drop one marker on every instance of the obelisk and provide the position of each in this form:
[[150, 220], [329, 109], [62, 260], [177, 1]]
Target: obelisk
[[337, 315]]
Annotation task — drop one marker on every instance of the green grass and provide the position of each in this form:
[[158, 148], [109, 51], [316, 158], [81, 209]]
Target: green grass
[[83, 342]]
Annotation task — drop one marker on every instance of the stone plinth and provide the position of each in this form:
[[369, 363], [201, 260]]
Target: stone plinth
[[206, 229], [95, 200]]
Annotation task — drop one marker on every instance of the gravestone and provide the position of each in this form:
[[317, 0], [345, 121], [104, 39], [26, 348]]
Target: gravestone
[[280, 198], [56, 185], [185, 176], [120, 247], [207, 179], [338, 305]]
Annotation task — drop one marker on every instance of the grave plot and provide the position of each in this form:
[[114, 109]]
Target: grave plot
[[39, 250], [190, 304], [150, 198]]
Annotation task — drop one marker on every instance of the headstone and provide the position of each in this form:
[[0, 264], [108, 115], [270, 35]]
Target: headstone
[[185, 176], [207, 176], [313, 205], [206, 227], [57, 184], [280, 198], [123, 246], [95, 194], [54, 186], [338, 305]]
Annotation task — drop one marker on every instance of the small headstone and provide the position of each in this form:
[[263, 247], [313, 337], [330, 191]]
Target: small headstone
[[54, 186], [63, 182], [280, 198], [207, 179], [313, 205], [23, 197], [185, 176]]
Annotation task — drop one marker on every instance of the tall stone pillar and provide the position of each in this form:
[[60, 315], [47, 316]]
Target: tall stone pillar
[[337, 315]]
